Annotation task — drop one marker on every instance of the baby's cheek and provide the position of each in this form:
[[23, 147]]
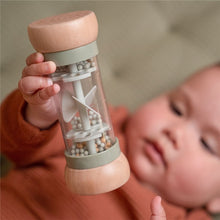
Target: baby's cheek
[[190, 180], [150, 119]]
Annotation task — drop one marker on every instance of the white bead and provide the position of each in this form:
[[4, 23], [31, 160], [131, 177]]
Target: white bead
[[101, 149], [93, 122], [87, 65], [74, 146], [91, 112], [86, 153], [98, 142], [80, 67], [74, 126]]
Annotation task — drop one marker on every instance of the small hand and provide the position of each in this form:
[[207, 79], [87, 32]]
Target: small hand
[[38, 89], [157, 209]]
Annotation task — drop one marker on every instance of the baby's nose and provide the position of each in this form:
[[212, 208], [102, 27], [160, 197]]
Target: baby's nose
[[171, 136], [180, 133]]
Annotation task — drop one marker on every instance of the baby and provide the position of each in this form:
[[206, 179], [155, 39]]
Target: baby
[[173, 141]]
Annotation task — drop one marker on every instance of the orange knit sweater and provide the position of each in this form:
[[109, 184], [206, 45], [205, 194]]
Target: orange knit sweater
[[35, 188]]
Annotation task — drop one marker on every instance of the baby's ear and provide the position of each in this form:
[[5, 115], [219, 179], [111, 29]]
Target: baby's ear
[[214, 206]]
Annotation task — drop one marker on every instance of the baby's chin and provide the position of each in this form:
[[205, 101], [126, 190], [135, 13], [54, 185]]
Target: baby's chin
[[179, 199]]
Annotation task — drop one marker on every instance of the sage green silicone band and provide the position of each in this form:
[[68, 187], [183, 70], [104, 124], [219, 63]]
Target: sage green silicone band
[[62, 58], [95, 160]]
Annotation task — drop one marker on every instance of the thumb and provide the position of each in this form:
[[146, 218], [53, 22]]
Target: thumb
[[157, 209]]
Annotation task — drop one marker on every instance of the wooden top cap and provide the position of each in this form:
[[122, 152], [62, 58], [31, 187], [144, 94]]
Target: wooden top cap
[[63, 32]]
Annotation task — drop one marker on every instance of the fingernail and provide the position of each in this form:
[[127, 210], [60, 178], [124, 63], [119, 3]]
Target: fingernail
[[47, 67], [51, 66], [50, 82], [39, 56], [159, 199]]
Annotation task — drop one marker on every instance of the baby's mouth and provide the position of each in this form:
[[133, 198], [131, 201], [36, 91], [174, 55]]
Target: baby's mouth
[[154, 151]]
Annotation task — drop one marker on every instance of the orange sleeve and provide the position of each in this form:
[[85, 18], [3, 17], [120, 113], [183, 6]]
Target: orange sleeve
[[21, 142]]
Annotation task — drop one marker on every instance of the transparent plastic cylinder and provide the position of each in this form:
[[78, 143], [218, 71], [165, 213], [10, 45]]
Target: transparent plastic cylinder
[[83, 113]]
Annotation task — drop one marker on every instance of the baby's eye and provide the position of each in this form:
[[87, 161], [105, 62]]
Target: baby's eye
[[175, 109], [206, 146]]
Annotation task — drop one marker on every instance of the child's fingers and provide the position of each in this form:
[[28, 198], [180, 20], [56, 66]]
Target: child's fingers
[[30, 84], [157, 209], [39, 69], [34, 58], [42, 95]]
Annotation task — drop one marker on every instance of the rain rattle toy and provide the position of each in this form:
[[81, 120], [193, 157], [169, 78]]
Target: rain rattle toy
[[94, 162]]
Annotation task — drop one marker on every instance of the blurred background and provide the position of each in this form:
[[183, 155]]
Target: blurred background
[[145, 47]]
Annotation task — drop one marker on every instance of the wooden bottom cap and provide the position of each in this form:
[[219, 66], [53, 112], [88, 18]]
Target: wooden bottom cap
[[100, 179]]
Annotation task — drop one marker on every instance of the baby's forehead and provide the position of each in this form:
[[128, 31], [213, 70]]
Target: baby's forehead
[[201, 95], [204, 86], [204, 79]]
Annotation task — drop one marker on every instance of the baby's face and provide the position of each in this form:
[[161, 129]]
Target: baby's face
[[174, 141]]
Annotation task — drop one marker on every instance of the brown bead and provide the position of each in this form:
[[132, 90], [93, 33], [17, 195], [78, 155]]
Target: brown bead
[[103, 140], [79, 145], [108, 144]]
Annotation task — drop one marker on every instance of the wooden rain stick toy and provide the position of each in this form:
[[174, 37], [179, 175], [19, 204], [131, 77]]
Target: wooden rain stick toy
[[95, 163]]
